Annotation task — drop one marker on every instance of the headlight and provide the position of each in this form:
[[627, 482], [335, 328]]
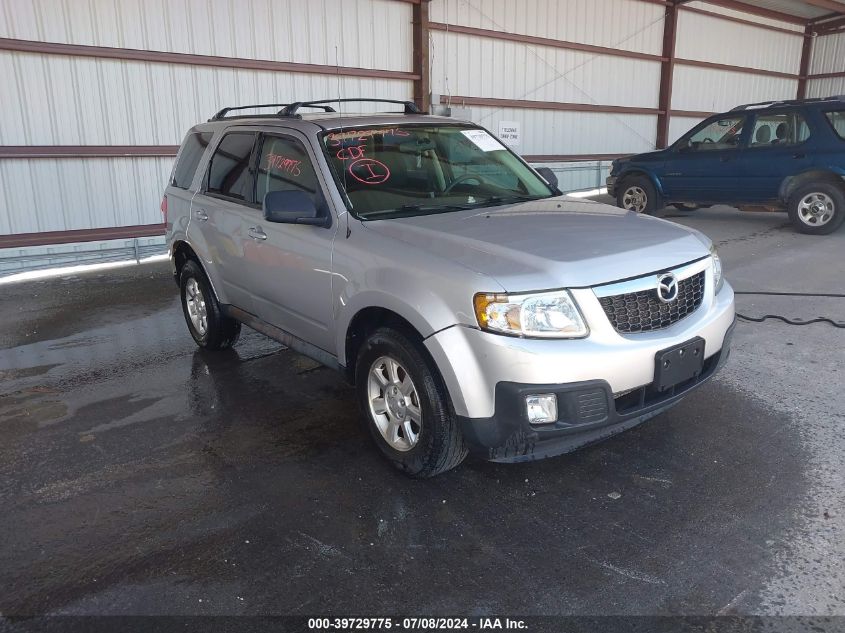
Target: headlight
[[717, 268], [544, 315]]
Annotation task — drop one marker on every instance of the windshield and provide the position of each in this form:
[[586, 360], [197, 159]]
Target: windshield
[[412, 170]]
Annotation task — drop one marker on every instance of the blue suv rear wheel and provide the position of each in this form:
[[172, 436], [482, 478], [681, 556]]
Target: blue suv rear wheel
[[817, 208]]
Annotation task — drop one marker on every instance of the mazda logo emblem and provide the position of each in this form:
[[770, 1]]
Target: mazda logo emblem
[[667, 288]]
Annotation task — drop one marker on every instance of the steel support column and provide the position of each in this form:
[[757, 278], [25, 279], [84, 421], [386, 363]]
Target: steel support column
[[422, 85], [804, 67], [667, 72]]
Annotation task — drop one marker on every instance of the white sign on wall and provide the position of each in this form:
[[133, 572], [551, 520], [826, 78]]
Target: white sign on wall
[[509, 133]]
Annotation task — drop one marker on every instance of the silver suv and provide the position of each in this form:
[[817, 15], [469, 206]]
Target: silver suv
[[473, 306]]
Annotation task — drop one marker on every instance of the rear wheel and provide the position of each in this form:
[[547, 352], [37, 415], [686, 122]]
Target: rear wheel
[[638, 194], [817, 208], [406, 406], [208, 325]]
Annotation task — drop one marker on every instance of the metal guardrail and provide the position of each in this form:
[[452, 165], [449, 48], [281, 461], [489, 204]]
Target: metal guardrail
[[572, 178], [44, 261]]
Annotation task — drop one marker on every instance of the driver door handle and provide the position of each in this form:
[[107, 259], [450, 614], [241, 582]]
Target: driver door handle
[[724, 159], [798, 155], [256, 233], [200, 215]]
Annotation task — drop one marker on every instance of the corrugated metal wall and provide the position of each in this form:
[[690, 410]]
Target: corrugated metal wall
[[367, 33], [712, 90], [708, 38], [712, 39], [61, 194], [485, 67], [626, 24], [547, 132], [828, 57], [477, 66], [470, 65], [72, 100], [75, 100], [55, 100], [714, 8]]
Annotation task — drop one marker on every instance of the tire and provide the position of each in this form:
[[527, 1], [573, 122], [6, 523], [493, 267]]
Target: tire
[[417, 417], [817, 208], [215, 331], [638, 194]]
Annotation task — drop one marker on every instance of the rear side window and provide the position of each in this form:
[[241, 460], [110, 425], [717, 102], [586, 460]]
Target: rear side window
[[193, 147], [837, 120], [284, 165], [230, 173], [779, 130]]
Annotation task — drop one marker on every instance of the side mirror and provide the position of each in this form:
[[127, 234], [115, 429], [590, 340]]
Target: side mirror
[[549, 176], [292, 207]]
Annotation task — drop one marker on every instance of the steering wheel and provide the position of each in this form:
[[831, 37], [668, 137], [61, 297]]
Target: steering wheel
[[462, 179], [707, 140]]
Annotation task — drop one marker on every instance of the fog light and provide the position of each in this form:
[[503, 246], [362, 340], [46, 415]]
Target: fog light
[[541, 408]]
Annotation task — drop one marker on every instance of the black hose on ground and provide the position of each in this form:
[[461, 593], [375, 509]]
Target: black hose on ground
[[745, 317]]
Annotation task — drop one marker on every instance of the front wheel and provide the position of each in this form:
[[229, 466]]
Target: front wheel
[[817, 209], [406, 406], [638, 194]]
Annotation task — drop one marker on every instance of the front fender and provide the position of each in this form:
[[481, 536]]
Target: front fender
[[371, 270], [427, 313], [641, 171]]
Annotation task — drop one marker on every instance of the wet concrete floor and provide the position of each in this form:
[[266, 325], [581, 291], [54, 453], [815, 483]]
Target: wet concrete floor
[[139, 475]]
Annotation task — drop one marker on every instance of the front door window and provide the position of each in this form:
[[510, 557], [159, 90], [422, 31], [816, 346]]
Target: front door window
[[720, 134]]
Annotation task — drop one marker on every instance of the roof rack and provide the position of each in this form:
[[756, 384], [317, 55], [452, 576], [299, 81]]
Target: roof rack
[[222, 113], [768, 104], [290, 110]]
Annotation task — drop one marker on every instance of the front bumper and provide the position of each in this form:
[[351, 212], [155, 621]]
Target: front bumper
[[587, 412], [611, 185], [484, 372]]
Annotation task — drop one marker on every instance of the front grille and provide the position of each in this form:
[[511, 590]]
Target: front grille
[[643, 312]]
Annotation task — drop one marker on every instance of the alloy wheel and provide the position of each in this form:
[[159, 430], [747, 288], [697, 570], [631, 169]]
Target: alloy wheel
[[816, 209], [394, 403], [195, 302], [635, 199]]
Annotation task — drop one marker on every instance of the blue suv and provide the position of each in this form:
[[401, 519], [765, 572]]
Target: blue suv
[[781, 155]]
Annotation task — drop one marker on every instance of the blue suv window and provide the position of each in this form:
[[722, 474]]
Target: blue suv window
[[720, 134], [837, 120], [779, 130]]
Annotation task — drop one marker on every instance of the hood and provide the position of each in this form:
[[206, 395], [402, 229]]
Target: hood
[[656, 155], [553, 243]]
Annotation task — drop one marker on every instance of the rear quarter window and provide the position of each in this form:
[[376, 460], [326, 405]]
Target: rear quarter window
[[837, 121], [193, 147]]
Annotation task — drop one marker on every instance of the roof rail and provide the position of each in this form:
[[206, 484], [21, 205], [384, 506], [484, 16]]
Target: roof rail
[[290, 110], [222, 113], [767, 104]]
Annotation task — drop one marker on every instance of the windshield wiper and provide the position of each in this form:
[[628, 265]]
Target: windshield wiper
[[413, 209], [508, 199]]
